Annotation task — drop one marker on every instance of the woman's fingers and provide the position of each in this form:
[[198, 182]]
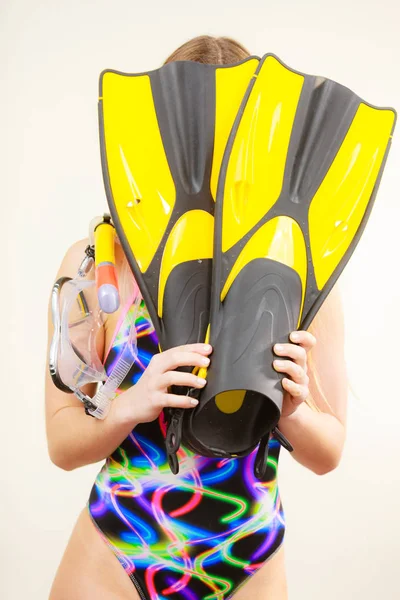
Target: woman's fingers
[[297, 353], [304, 338], [296, 369], [177, 401], [161, 373], [297, 391], [181, 378], [302, 342], [296, 372], [177, 357], [199, 348]]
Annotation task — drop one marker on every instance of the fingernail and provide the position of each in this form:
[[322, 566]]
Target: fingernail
[[278, 363], [278, 347], [293, 387], [194, 402], [207, 347], [294, 336], [205, 361], [201, 381]]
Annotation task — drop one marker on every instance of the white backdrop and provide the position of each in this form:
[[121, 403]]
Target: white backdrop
[[343, 528]]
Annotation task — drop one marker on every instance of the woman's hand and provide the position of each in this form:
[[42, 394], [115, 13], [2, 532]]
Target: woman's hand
[[144, 401], [296, 388]]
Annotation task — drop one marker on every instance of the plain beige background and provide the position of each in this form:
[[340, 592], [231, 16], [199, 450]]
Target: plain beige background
[[343, 537]]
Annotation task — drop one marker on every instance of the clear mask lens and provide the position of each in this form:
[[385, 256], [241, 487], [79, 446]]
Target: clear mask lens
[[79, 362], [77, 346]]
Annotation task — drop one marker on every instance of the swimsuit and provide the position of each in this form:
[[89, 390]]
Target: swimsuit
[[193, 536]]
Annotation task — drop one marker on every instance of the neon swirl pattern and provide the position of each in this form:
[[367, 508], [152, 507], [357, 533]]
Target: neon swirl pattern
[[197, 535]]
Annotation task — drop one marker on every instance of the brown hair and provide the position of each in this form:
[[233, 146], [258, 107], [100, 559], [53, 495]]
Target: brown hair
[[210, 50]]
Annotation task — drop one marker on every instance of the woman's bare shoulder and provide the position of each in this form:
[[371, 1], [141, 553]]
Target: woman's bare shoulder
[[73, 258]]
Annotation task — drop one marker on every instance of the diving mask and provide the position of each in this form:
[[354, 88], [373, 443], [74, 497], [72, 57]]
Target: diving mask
[[78, 319]]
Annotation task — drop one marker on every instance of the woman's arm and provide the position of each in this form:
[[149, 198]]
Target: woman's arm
[[318, 437], [76, 439]]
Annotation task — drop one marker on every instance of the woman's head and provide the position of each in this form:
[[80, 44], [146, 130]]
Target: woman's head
[[210, 50]]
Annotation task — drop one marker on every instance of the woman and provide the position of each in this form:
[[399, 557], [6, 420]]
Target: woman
[[212, 532]]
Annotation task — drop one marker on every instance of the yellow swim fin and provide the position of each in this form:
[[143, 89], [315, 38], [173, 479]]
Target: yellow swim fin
[[163, 134], [297, 183]]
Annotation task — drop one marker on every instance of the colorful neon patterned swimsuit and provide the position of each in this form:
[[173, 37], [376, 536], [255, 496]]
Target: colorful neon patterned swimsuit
[[193, 536]]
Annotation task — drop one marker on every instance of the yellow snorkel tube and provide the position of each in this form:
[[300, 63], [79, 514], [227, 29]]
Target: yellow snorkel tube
[[106, 272]]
